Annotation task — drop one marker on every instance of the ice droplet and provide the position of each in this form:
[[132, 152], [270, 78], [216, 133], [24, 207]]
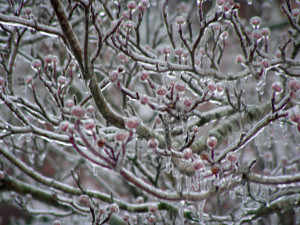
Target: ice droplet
[[249, 2]]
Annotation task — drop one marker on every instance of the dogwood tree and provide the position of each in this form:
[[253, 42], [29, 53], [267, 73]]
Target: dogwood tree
[[150, 112]]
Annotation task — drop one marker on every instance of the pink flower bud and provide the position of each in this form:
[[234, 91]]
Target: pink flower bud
[[54, 59], [185, 54], [153, 208], [277, 87], [36, 64], [84, 200], [267, 172], [71, 130], [219, 88], [48, 59], [225, 34], [78, 111], [126, 217], [212, 141], [126, 14], [152, 219], [256, 34], [266, 63], [63, 126], [157, 120], [295, 12], [129, 25], [216, 26], [231, 157], [141, 7], [265, 31], [255, 21], [57, 222], [121, 68], [145, 3], [29, 79], [114, 208], [144, 100], [131, 5], [187, 102], [178, 51], [268, 156], [179, 86], [278, 54], [139, 199], [90, 109], [113, 76], [294, 85], [180, 20], [161, 91], [202, 51], [220, 2], [187, 153], [28, 11], [231, 2], [295, 116], [69, 103], [101, 142], [121, 135], [247, 31], [61, 80], [72, 64], [198, 164], [211, 87], [89, 124], [153, 143], [166, 50], [196, 129], [239, 59], [121, 56], [226, 7], [132, 123], [144, 76]]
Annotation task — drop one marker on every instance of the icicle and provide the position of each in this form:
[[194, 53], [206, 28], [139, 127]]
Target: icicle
[[28, 137], [266, 194], [232, 193], [196, 182], [168, 164], [244, 198], [95, 172], [200, 211], [254, 188], [178, 182], [274, 218], [188, 183], [297, 213], [249, 2], [174, 172], [180, 212]]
